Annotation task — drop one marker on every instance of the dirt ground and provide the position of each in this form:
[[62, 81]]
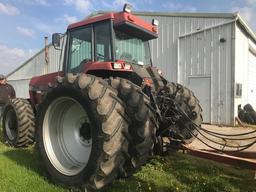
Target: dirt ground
[[225, 130]]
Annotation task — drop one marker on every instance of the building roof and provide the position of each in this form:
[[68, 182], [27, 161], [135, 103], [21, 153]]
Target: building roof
[[236, 17], [177, 14]]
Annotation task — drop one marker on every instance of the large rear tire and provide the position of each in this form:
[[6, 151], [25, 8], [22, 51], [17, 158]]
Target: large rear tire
[[82, 132], [188, 102], [142, 127], [18, 123]]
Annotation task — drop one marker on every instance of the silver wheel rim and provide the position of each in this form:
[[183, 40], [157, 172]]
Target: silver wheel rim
[[66, 136], [11, 124]]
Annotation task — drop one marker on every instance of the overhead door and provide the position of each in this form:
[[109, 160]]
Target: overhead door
[[251, 81]]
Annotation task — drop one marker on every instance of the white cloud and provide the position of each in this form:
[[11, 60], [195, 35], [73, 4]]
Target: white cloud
[[8, 9], [150, 2], [66, 19], [25, 31], [48, 29], [35, 2], [82, 6], [119, 3], [248, 12], [70, 19], [250, 2], [11, 58], [40, 2]]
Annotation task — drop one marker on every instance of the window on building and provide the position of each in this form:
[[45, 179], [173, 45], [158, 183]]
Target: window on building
[[238, 90]]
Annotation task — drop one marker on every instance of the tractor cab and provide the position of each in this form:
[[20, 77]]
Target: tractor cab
[[112, 44]]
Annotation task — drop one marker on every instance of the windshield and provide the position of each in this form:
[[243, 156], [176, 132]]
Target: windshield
[[131, 49]]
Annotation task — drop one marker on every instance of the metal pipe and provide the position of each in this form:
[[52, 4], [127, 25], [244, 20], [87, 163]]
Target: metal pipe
[[46, 50]]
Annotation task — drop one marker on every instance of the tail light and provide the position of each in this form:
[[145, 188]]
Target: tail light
[[117, 65], [127, 67]]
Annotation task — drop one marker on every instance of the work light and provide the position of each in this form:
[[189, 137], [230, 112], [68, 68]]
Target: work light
[[155, 22], [127, 8]]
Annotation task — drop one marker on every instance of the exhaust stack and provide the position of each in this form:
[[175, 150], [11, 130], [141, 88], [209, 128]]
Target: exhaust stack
[[46, 50]]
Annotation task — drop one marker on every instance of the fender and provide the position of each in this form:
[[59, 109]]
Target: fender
[[39, 85]]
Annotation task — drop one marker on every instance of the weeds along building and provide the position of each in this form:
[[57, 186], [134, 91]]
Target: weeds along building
[[212, 54]]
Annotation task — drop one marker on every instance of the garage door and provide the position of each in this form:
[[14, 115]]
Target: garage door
[[251, 82]]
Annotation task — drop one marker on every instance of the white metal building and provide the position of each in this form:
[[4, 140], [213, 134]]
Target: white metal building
[[213, 54]]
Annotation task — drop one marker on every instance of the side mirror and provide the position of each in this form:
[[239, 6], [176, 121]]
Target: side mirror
[[56, 40]]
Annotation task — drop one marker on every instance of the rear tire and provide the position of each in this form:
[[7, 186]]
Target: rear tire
[[18, 123], [81, 132], [186, 99], [142, 128]]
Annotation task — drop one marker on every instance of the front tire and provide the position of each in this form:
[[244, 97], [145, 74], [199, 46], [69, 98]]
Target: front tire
[[81, 132]]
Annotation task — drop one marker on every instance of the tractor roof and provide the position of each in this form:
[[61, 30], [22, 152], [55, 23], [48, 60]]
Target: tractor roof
[[119, 19]]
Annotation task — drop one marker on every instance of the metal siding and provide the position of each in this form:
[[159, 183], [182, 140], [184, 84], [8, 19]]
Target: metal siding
[[21, 87], [164, 49], [241, 67], [243, 46], [251, 83], [202, 55]]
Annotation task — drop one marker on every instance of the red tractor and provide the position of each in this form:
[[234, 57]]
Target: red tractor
[[108, 110]]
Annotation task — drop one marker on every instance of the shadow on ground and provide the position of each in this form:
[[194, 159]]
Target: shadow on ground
[[28, 158]]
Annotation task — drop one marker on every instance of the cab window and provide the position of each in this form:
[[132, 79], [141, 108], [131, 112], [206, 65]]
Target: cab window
[[80, 50], [102, 42]]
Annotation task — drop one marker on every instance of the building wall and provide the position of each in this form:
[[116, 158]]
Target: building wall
[[242, 48], [164, 50], [203, 57], [21, 87]]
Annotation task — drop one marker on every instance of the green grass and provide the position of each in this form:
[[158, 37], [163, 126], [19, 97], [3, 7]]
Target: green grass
[[22, 170], [182, 172]]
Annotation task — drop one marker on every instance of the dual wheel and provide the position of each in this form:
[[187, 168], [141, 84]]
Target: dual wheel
[[88, 131]]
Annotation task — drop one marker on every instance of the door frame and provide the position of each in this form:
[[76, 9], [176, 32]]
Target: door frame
[[210, 95]]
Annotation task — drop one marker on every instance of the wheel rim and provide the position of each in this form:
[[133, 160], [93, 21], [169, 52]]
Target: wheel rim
[[66, 136], [11, 124]]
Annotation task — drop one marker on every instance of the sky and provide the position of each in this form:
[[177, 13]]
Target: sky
[[25, 23]]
